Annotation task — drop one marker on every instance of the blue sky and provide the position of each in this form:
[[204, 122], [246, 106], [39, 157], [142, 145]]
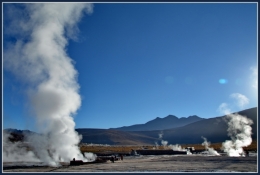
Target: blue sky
[[136, 62]]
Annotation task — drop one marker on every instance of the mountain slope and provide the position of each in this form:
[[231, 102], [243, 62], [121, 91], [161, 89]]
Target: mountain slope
[[168, 122], [113, 137], [214, 129]]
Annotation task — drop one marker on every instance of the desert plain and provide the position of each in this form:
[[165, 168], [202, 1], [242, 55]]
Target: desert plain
[[197, 162], [150, 163]]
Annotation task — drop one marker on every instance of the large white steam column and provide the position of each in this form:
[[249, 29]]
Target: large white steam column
[[240, 131], [239, 128], [38, 56]]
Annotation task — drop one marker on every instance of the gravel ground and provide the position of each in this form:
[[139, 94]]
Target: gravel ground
[[159, 163]]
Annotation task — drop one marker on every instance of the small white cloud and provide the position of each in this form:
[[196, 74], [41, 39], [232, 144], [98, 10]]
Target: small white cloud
[[224, 109], [241, 99]]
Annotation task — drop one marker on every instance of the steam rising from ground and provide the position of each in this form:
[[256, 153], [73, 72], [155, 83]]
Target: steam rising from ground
[[16, 151], [156, 145], [240, 132], [239, 128], [39, 56], [161, 135], [211, 151], [164, 143], [90, 156], [176, 147]]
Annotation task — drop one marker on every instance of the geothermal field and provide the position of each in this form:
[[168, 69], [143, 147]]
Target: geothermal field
[[160, 158], [36, 54], [150, 163]]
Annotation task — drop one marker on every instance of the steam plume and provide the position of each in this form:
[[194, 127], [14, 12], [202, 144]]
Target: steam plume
[[161, 135], [164, 143], [176, 147], [239, 130], [156, 145], [20, 151], [211, 151], [39, 57]]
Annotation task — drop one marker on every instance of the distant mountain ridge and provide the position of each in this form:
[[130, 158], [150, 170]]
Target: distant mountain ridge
[[11, 130], [214, 129], [168, 122]]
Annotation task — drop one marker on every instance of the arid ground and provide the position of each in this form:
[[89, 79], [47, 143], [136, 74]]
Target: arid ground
[[149, 163]]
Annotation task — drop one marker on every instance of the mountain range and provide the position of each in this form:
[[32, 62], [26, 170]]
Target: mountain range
[[214, 129], [158, 123], [172, 129]]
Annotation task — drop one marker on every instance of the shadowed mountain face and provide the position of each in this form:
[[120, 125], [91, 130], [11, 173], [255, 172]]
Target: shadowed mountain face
[[113, 137], [214, 129], [168, 122]]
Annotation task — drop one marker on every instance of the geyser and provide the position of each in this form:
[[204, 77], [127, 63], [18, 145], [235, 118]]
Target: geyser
[[38, 57], [210, 150], [239, 128], [240, 131]]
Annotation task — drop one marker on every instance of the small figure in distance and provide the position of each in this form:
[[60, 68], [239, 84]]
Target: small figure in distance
[[113, 159], [247, 153]]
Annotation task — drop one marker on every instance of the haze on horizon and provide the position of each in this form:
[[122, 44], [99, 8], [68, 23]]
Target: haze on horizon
[[139, 61]]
